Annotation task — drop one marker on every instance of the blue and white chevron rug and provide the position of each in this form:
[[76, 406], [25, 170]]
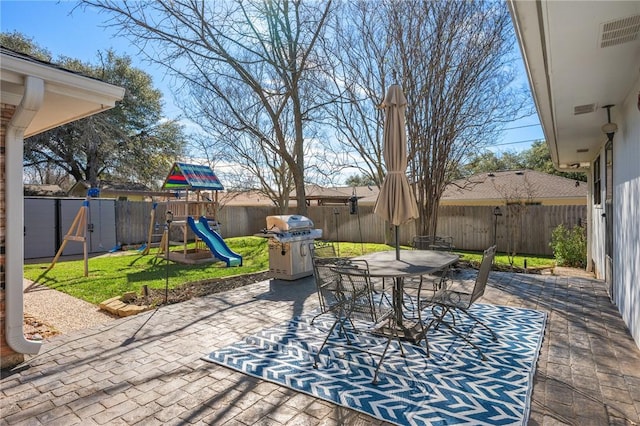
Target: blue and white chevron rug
[[452, 386]]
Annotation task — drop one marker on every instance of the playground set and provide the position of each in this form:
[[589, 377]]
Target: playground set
[[182, 183], [179, 212]]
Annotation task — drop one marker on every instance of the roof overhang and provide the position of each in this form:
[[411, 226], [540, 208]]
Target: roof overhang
[[574, 70], [68, 96], [44, 96]]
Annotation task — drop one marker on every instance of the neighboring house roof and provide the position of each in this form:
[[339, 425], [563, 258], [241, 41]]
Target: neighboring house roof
[[515, 185], [244, 198], [313, 193], [482, 189], [192, 177], [112, 186], [323, 195], [32, 190]]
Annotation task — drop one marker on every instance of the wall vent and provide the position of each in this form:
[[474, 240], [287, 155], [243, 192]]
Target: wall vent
[[584, 109], [620, 31]]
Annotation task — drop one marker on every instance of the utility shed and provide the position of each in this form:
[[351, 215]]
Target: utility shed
[[48, 220]]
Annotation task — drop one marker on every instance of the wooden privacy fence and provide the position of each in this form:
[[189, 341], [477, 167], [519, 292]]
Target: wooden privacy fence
[[527, 230], [132, 221]]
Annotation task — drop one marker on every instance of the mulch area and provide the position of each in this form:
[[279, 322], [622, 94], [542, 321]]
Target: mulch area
[[36, 329], [188, 291]]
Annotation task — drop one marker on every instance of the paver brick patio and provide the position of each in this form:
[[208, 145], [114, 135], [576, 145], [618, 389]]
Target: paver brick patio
[[147, 370]]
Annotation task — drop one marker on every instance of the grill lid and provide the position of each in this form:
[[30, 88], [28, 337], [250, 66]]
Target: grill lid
[[285, 223]]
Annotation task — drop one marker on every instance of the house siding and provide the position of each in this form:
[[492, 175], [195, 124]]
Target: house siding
[[626, 214], [626, 246]]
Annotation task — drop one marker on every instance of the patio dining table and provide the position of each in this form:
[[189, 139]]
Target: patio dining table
[[412, 263]]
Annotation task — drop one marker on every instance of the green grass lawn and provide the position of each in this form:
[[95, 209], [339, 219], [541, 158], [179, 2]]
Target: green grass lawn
[[114, 274], [502, 260]]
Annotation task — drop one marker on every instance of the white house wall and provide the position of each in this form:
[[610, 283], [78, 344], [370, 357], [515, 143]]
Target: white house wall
[[626, 178]]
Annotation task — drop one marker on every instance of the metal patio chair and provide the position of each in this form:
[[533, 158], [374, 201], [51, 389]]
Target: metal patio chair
[[327, 283], [351, 297], [451, 301], [323, 249], [432, 242]]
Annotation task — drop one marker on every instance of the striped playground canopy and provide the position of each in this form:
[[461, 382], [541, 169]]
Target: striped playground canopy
[[193, 177]]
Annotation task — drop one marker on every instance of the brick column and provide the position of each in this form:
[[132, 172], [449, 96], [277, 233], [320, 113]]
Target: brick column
[[8, 357]]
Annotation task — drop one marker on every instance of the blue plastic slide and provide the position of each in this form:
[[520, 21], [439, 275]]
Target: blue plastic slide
[[214, 241]]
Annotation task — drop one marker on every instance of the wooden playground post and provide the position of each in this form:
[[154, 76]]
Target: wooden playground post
[[151, 229], [164, 244], [77, 232]]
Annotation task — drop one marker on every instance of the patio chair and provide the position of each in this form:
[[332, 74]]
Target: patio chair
[[454, 299], [323, 249], [327, 283], [432, 242], [349, 298], [435, 281], [327, 250]]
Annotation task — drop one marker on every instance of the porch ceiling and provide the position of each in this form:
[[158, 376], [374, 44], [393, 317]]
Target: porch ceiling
[[569, 68]]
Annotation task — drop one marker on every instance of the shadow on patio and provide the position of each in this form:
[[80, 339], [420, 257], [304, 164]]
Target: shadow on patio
[[149, 367]]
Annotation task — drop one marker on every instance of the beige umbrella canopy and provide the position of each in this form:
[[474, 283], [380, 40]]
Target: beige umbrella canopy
[[396, 202]]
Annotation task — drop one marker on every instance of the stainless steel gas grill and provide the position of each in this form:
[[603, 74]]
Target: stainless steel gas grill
[[290, 238]]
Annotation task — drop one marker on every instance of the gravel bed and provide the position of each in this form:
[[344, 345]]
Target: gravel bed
[[49, 312]]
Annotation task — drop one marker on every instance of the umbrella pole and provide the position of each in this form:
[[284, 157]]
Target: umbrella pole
[[397, 243]]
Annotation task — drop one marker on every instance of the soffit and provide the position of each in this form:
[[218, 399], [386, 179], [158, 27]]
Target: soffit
[[68, 96], [568, 67]]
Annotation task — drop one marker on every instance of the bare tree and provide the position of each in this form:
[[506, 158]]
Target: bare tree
[[455, 62], [48, 174], [457, 68], [517, 199], [247, 68], [360, 50]]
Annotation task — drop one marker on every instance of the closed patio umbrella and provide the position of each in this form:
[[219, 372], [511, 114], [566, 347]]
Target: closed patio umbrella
[[396, 202]]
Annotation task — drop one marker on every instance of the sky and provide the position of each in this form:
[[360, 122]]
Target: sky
[[79, 34], [82, 34]]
